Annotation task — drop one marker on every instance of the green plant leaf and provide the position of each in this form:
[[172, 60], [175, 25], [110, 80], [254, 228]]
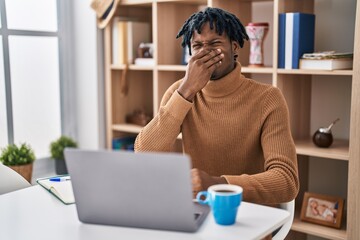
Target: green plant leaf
[[57, 147], [17, 155]]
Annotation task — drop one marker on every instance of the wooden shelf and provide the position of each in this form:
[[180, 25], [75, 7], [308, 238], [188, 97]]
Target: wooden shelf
[[338, 150], [126, 127], [132, 67], [136, 2], [201, 2], [316, 72], [131, 128], [246, 69], [204, 2], [178, 68], [149, 83], [318, 230]]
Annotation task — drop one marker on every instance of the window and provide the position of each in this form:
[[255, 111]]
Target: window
[[36, 15], [3, 115], [30, 79]]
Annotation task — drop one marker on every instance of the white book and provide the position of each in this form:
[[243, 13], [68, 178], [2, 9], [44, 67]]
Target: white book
[[145, 61], [115, 44], [326, 64], [119, 42], [289, 40]]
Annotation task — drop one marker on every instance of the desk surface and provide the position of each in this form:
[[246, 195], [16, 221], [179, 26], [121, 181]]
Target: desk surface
[[33, 213]]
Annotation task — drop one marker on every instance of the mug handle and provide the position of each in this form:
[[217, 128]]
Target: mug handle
[[201, 194]]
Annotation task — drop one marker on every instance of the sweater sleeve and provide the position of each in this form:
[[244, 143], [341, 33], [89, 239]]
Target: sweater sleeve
[[279, 182], [161, 132]]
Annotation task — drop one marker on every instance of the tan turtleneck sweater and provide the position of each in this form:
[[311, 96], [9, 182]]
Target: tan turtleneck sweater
[[236, 128]]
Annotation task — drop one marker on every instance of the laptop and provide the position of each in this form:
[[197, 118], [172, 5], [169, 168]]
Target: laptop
[[143, 190]]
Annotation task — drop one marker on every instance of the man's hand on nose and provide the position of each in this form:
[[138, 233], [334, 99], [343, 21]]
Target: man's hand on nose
[[198, 72]]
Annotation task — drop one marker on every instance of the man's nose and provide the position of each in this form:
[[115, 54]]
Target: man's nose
[[207, 47]]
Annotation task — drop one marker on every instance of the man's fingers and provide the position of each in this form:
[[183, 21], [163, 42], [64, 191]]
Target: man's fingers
[[208, 57], [215, 60], [196, 181], [212, 55], [200, 55], [210, 61]]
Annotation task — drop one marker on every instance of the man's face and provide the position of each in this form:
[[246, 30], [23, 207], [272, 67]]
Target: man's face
[[210, 39]]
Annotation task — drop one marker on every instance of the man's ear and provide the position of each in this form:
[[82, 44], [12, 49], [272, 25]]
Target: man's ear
[[235, 48]]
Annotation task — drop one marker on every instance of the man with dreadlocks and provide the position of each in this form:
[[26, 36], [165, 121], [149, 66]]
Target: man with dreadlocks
[[236, 130]]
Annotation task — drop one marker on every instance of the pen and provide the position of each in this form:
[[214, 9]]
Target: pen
[[59, 179]]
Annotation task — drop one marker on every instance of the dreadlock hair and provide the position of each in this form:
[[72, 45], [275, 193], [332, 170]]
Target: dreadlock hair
[[223, 20]]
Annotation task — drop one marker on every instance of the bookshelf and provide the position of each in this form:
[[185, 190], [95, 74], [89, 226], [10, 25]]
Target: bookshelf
[[147, 84]]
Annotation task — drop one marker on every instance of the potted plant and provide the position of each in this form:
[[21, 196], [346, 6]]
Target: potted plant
[[57, 152], [19, 158]]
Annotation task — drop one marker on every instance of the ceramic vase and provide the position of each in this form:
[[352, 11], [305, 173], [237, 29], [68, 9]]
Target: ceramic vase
[[257, 33]]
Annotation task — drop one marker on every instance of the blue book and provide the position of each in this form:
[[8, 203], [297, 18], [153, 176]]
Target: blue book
[[281, 41], [125, 143], [296, 39]]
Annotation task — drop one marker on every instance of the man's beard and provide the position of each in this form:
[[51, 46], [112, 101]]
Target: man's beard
[[214, 77]]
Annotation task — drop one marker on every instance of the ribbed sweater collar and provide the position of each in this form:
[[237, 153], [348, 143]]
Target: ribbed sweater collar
[[226, 85]]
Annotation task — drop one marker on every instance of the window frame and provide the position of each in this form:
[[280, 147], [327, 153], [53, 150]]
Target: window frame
[[66, 63]]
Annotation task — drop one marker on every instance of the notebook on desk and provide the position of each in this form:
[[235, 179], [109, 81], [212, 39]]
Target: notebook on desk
[[145, 190], [60, 189]]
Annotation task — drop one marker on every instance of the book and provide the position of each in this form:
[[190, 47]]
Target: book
[[326, 64], [126, 37], [62, 189], [114, 41], [327, 55], [296, 37], [119, 42], [281, 41], [145, 61], [125, 143]]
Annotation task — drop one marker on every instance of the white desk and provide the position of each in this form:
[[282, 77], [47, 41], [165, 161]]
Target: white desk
[[33, 213]]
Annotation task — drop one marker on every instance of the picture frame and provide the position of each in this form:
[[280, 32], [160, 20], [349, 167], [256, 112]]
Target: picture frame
[[322, 209]]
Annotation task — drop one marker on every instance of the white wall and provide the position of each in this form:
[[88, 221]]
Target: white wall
[[88, 92], [84, 118]]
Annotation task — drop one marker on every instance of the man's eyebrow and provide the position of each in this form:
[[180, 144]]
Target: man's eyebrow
[[216, 39], [210, 41]]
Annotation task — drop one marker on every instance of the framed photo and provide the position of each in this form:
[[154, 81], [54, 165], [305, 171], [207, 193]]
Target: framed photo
[[322, 209]]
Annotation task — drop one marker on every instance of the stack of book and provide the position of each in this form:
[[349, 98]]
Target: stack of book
[[329, 60], [127, 35]]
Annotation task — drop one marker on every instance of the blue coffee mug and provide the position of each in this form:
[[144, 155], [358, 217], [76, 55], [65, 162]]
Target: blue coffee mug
[[224, 200]]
